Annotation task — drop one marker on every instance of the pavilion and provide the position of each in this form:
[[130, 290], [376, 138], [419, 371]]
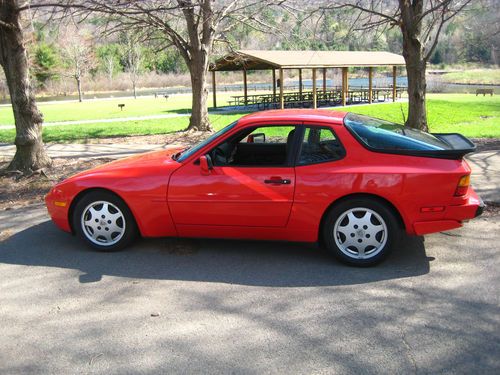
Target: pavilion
[[247, 60]]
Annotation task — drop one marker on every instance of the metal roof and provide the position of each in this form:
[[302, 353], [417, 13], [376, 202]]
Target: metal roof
[[260, 60]]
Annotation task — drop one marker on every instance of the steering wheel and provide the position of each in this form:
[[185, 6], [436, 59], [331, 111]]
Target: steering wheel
[[219, 156]]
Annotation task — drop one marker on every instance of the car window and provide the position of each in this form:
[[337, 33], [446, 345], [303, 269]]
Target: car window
[[260, 146], [320, 145], [268, 134], [190, 151], [384, 135]]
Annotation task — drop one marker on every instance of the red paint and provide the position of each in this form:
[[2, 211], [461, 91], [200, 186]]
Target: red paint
[[168, 198]]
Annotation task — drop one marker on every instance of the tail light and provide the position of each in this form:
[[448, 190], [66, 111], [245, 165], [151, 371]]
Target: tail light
[[463, 185]]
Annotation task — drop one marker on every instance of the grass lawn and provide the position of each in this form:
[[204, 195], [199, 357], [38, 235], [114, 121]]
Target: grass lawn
[[470, 115], [94, 109], [467, 114], [479, 76]]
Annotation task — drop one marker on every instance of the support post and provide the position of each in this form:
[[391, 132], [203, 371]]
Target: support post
[[300, 84], [345, 86], [274, 85], [315, 94], [282, 100], [347, 82], [324, 80], [214, 93], [370, 85], [394, 73], [245, 88]]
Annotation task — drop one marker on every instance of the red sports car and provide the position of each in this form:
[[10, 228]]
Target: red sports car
[[351, 182]]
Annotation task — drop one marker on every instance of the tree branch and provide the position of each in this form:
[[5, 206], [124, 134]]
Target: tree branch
[[7, 25], [387, 17]]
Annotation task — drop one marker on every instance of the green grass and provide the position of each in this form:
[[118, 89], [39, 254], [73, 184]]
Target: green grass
[[479, 76], [467, 114], [72, 133], [108, 109]]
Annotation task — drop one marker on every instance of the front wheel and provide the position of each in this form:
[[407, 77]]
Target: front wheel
[[360, 232], [104, 221]]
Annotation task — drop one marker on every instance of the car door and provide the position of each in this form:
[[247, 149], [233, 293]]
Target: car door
[[248, 190]]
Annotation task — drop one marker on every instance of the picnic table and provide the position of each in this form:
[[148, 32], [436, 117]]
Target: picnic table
[[331, 97]]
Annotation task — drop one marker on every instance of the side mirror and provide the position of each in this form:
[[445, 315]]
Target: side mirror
[[256, 138], [206, 164]]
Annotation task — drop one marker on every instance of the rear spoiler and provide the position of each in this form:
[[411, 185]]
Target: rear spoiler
[[460, 146]]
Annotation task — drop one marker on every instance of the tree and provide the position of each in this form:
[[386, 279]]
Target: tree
[[420, 23], [30, 154], [191, 26], [109, 55], [133, 60], [77, 53], [45, 62]]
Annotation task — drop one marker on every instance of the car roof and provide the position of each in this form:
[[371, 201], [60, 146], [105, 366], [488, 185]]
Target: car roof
[[295, 115]]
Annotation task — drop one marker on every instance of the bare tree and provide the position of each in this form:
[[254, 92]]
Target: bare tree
[[109, 67], [30, 153], [191, 26], [77, 52], [420, 22], [134, 59]]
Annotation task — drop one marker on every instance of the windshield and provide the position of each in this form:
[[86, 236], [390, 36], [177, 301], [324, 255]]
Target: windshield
[[190, 151], [384, 135]]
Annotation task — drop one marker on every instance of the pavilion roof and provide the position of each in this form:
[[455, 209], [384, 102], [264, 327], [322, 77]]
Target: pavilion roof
[[263, 60]]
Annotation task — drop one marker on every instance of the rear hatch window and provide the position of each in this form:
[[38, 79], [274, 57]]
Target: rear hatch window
[[385, 136]]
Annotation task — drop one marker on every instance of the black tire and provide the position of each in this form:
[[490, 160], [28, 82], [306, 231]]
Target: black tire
[[113, 229], [360, 231]]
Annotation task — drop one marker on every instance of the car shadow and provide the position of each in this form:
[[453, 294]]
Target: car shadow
[[263, 263]]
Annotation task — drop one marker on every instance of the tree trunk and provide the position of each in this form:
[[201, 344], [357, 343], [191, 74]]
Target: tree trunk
[[30, 153], [135, 91], [79, 88], [413, 52], [415, 71], [198, 69]]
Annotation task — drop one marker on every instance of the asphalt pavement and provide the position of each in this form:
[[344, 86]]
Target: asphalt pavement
[[213, 306]]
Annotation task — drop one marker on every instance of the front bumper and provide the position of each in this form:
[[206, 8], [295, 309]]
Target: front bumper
[[454, 216], [58, 213]]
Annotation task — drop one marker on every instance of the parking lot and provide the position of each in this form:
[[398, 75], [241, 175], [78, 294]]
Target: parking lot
[[213, 306]]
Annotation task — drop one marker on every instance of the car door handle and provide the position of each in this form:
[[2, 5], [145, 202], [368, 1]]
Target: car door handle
[[281, 181]]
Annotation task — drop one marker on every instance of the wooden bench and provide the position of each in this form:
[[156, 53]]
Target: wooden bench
[[161, 93], [484, 92]]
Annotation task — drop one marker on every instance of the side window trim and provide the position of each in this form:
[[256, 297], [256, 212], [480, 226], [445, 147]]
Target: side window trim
[[297, 144]]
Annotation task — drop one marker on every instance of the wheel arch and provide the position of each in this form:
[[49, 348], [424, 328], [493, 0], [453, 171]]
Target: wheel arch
[[84, 192], [389, 204]]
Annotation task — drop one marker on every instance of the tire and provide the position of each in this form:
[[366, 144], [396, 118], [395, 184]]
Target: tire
[[360, 232], [104, 221]]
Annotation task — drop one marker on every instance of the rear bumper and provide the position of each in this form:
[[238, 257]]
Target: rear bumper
[[454, 216], [480, 209]]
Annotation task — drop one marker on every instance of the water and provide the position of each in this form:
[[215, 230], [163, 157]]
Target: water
[[432, 86]]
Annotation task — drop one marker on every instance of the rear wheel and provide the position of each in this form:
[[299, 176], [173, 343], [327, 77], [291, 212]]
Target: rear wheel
[[360, 231], [104, 221]]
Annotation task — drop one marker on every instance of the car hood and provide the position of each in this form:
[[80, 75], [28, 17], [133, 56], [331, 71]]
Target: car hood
[[155, 161]]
